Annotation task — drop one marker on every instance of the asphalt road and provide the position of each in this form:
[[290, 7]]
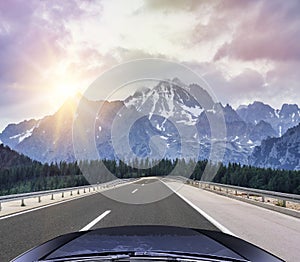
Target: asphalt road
[[24, 231]]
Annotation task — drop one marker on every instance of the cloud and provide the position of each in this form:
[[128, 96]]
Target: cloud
[[280, 85], [172, 5], [272, 32], [34, 37]]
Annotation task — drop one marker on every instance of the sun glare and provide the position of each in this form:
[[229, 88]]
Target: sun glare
[[62, 92], [66, 90]]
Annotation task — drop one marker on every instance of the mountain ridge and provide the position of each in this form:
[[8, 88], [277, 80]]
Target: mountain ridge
[[279, 152], [50, 138]]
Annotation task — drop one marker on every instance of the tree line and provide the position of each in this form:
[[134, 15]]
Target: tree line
[[35, 176]]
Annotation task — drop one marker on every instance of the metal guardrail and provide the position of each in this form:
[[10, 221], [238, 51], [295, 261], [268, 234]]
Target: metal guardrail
[[249, 191], [76, 190], [258, 192]]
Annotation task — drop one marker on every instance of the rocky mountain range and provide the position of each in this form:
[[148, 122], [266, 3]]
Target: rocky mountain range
[[279, 152], [280, 119], [169, 120]]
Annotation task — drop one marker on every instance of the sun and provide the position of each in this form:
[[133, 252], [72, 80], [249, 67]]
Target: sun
[[66, 90], [62, 92], [65, 84]]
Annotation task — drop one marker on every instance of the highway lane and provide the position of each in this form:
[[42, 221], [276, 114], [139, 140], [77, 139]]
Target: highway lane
[[275, 232], [19, 233]]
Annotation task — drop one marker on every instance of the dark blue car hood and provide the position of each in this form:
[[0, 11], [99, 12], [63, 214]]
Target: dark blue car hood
[[148, 239]]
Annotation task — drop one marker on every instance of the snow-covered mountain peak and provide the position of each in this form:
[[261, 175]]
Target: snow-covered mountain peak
[[280, 119], [169, 100]]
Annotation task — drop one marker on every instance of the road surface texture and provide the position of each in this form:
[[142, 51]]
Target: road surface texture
[[189, 207], [24, 231], [278, 233]]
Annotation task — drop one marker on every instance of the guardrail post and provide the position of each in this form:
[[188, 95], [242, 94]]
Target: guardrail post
[[89, 189], [262, 198], [247, 195], [0, 206], [22, 203], [235, 192], [283, 203], [227, 191], [220, 189], [62, 194], [94, 189], [78, 193], [71, 193], [84, 190], [39, 199], [52, 197]]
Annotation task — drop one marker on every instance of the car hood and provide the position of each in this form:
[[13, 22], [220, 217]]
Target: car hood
[[147, 239]]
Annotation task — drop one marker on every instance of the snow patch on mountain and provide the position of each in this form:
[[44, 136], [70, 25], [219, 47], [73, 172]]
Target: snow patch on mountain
[[23, 135]]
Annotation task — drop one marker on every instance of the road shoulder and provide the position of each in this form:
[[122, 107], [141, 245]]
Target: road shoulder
[[268, 229]]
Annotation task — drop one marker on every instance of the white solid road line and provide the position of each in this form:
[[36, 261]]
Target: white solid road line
[[208, 217], [134, 191], [95, 221], [143, 184]]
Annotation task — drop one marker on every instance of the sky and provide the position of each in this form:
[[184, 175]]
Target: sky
[[50, 49]]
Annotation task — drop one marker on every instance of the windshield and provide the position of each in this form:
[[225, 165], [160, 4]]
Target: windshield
[[150, 113]]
